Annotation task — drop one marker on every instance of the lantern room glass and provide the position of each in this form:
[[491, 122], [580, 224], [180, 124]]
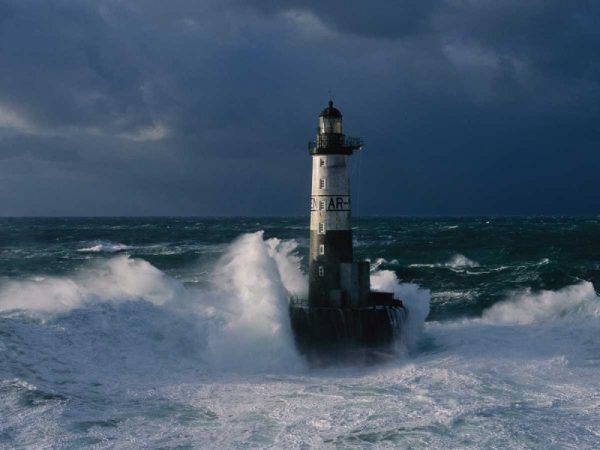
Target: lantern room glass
[[330, 125]]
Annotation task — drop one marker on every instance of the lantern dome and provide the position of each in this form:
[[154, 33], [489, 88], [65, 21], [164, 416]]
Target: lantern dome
[[331, 112]]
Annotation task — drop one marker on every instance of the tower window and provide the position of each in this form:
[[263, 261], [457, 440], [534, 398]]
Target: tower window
[[321, 162], [321, 271], [322, 205], [322, 249], [322, 228], [323, 183]]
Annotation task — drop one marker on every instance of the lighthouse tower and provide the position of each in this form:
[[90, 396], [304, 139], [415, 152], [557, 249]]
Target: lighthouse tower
[[342, 313], [333, 280]]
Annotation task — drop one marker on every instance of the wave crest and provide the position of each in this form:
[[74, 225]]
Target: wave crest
[[131, 310], [457, 261], [527, 307], [252, 281], [105, 247], [115, 280], [240, 323]]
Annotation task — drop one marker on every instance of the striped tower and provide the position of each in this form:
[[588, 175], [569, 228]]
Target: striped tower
[[330, 225], [342, 313]]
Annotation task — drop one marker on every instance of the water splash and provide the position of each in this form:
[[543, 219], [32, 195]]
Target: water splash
[[115, 280], [250, 282], [459, 261], [526, 307], [415, 299], [239, 323]]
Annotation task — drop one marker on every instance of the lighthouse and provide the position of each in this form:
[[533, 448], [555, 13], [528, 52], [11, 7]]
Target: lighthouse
[[341, 312], [330, 259]]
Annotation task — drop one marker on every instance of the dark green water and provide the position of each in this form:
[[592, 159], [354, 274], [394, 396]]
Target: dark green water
[[467, 263]]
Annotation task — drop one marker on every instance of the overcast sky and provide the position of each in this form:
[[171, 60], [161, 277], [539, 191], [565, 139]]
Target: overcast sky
[[205, 107]]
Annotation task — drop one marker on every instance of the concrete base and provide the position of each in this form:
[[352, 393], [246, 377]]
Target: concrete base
[[336, 334]]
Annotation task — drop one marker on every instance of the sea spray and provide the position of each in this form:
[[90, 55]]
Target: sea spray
[[120, 319], [459, 261], [288, 265], [249, 279], [139, 374], [241, 323], [526, 307], [415, 299], [114, 280]]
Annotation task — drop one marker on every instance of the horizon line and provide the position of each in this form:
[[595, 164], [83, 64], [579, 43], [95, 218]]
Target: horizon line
[[296, 216]]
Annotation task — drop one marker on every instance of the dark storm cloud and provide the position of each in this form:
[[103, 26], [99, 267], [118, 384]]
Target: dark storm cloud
[[186, 107], [376, 18], [66, 64]]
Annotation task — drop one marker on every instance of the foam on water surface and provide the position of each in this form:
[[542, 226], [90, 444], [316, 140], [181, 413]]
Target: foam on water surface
[[118, 352]]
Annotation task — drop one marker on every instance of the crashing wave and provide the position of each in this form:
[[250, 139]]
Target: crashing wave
[[527, 307], [240, 322]]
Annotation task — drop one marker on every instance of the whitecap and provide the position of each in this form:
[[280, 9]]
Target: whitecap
[[381, 262], [526, 307], [105, 247], [457, 261]]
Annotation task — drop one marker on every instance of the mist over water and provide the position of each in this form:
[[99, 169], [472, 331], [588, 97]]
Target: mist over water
[[166, 332]]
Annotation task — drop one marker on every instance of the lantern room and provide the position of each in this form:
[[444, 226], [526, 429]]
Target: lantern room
[[330, 120]]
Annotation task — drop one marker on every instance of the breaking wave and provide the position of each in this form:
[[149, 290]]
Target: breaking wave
[[526, 307], [380, 262], [128, 310], [116, 280], [240, 322], [122, 352], [459, 261], [415, 299], [250, 286]]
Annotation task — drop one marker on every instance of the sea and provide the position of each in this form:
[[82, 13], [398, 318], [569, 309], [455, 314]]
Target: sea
[[174, 333]]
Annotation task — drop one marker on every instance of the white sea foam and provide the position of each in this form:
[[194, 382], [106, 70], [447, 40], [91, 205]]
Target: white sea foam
[[252, 281], [105, 247], [381, 262], [137, 364], [288, 265], [454, 295], [127, 354], [415, 299], [243, 316], [244, 312], [526, 307], [118, 279], [458, 261]]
